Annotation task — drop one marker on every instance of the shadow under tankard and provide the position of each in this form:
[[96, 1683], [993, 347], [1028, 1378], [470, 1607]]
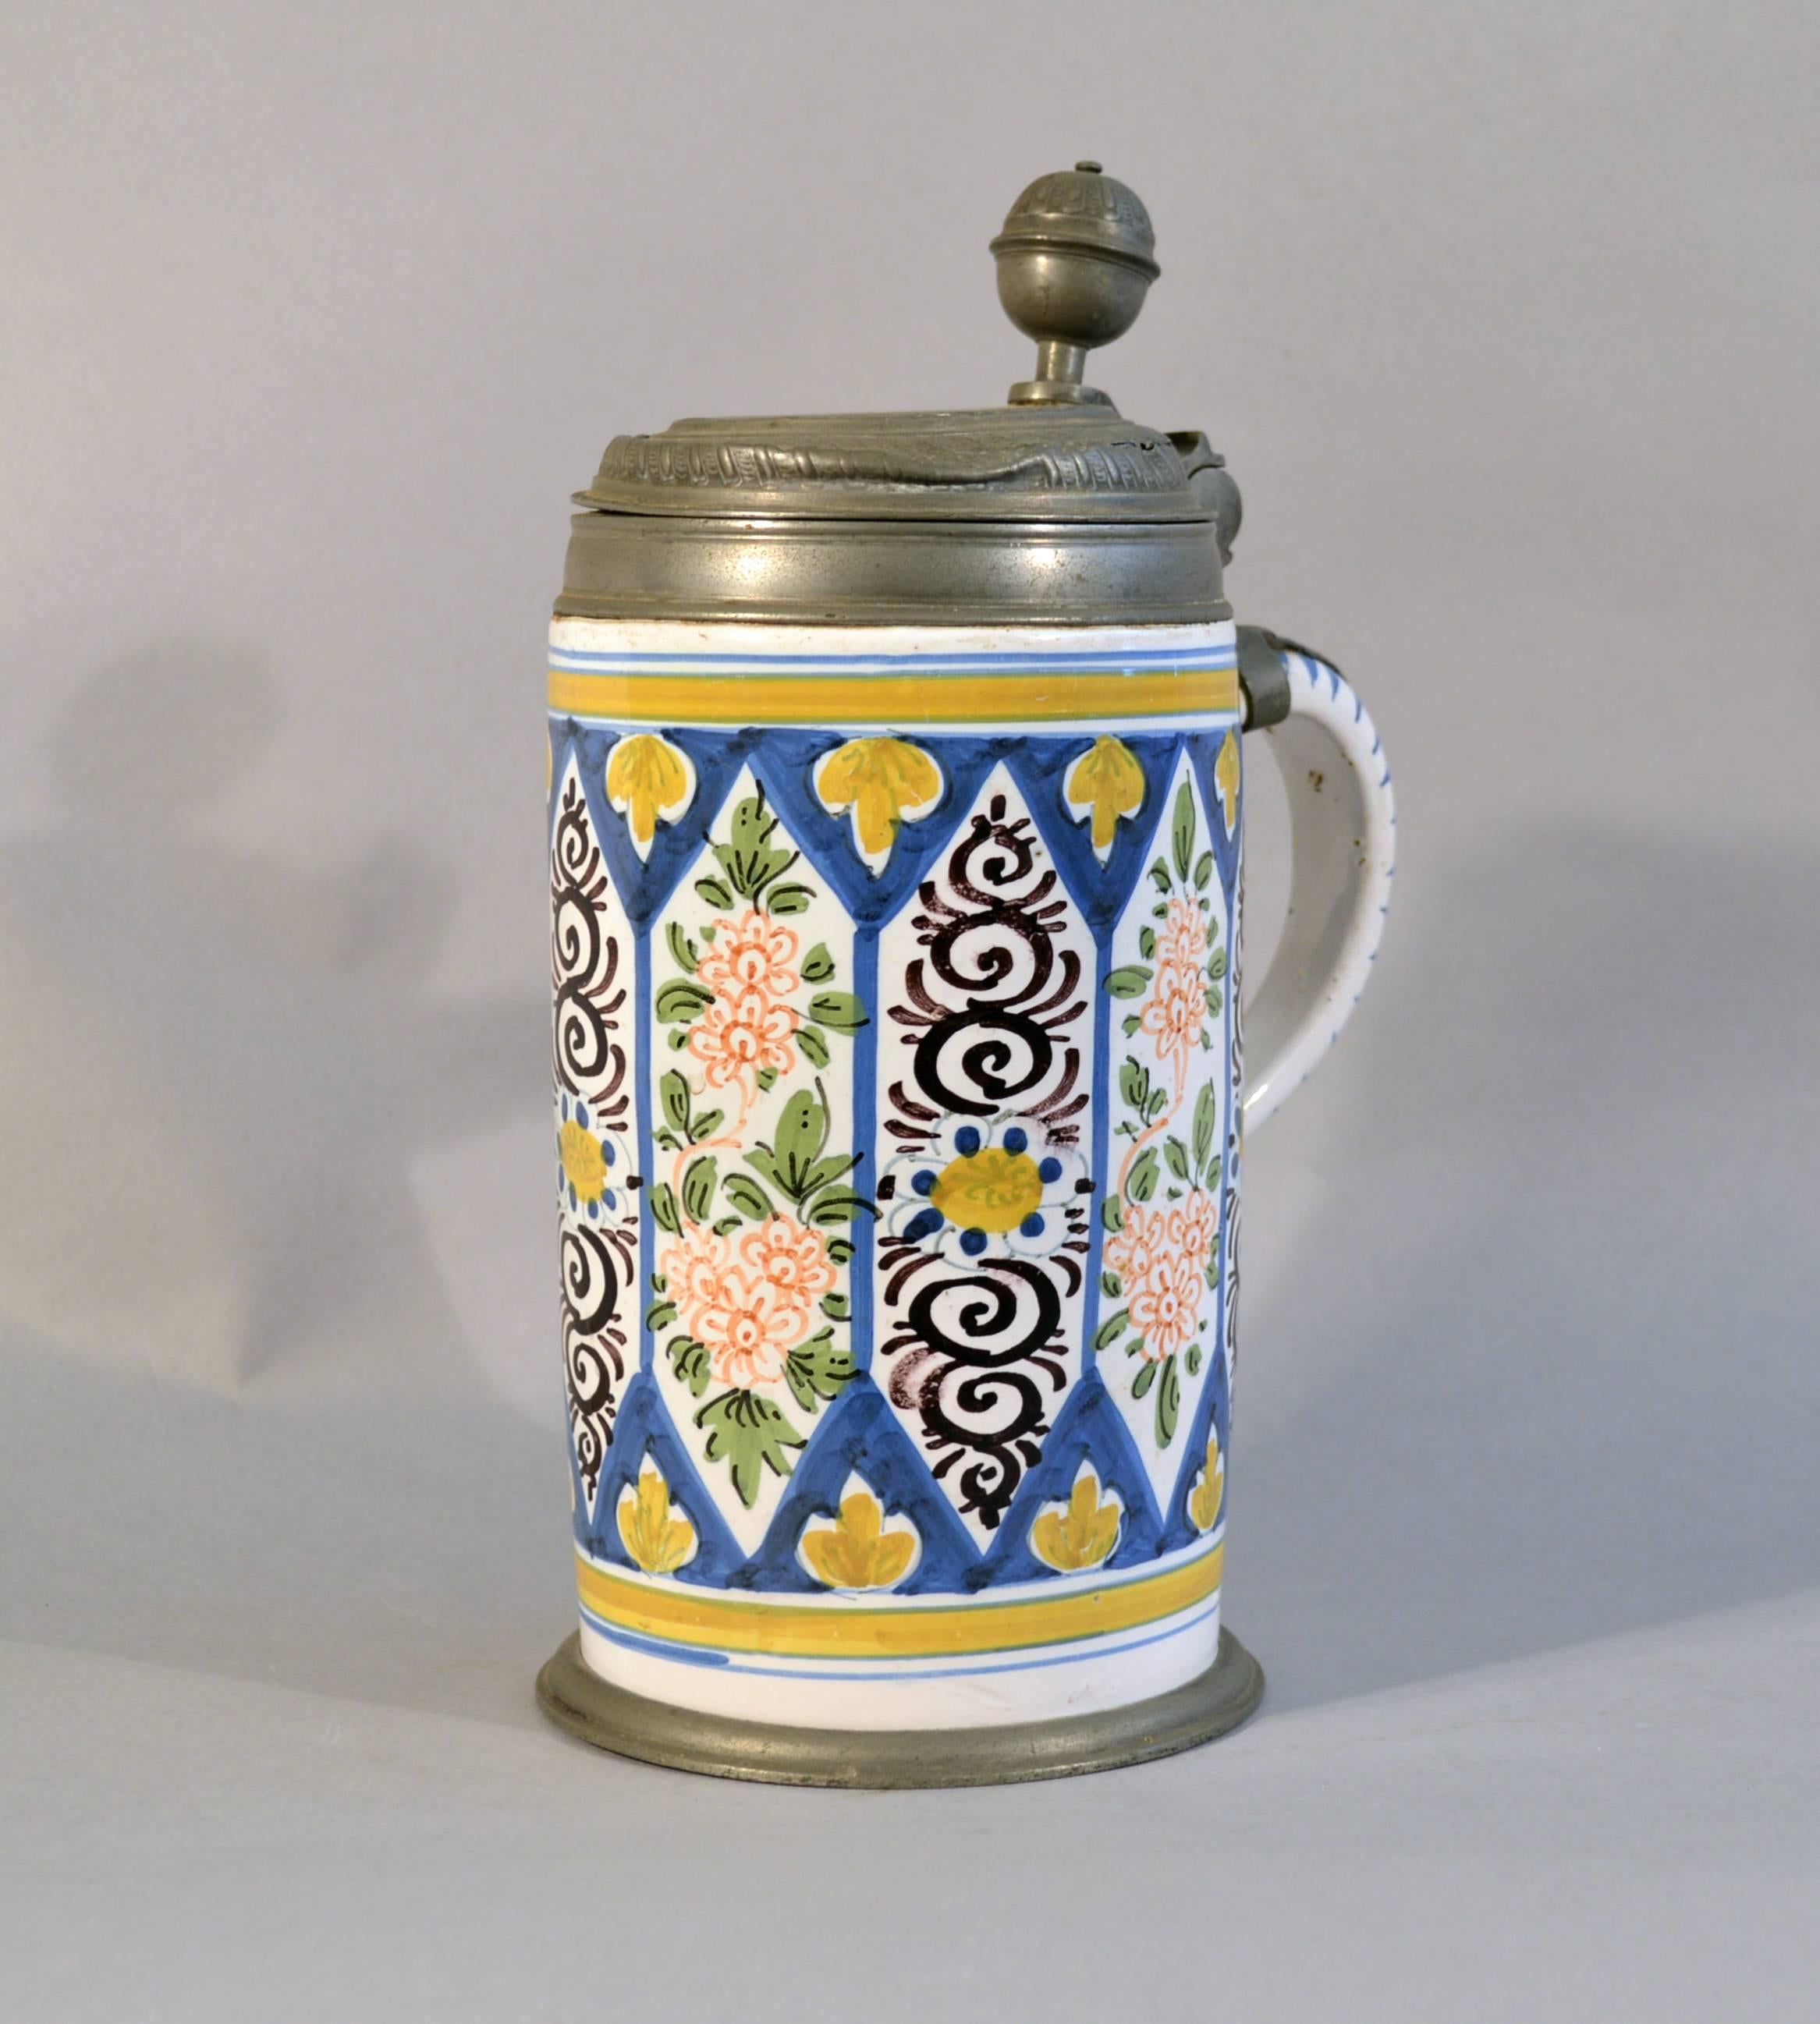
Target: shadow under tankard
[[1578, 1393]]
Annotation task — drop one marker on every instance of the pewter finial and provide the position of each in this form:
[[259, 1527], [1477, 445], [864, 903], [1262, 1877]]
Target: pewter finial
[[1074, 260]]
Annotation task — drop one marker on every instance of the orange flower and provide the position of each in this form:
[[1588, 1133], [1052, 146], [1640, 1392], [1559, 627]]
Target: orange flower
[[788, 1258], [1165, 1303], [1183, 937], [695, 1268], [1133, 1251], [753, 953], [1176, 1008], [1198, 1218], [749, 1332], [736, 1036]]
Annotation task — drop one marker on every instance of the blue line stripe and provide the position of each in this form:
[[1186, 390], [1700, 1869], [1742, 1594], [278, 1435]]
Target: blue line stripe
[[1193, 659], [695, 1655], [861, 1231]]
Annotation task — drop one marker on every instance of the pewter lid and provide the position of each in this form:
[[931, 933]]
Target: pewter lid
[[697, 519]]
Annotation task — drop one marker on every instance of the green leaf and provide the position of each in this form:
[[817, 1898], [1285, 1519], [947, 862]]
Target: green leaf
[[801, 1133], [750, 1434], [1130, 1023], [660, 1313], [1134, 1083], [1159, 873], [681, 947], [1144, 1380], [673, 1093], [839, 1250], [814, 1044], [1127, 981], [1110, 1285], [689, 1358], [748, 1197], [680, 1000], [1112, 1212], [837, 1306], [1203, 870], [1182, 830], [707, 1123], [1206, 1107], [698, 1188], [838, 1205], [818, 966], [817, 1369], [1146, 943], [1168, 1402], [1216, 964], [767, 1078], [1143, 1184], [1193, 1358], [663, 1208], [1110, 1329], [1176, 1154], [840, 1009], [714, 892], [789, 898]]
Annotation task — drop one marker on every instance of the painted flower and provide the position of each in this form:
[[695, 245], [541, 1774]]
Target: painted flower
[[1194, 1226], [649, 780], [1176, 1008], [1104, 784], [1183, 937], [747, 1322], [1132, 1250], [785, 1255], [1079, 1534], [886, 782], [858, 1549], [738, 1036], [992, 1189], [1226, 779], [654, 1539], [1209, 1487], [753, 953], [1165, 1304], [587, 1160]]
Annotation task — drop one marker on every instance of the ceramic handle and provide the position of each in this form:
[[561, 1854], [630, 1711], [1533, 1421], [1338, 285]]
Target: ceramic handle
[[1342, 841]]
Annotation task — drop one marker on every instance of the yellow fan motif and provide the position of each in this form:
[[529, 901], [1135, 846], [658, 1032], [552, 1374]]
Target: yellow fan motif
[[1079, 1534], [656, 1542], [1106, 783], [886, 782], [1209, 1487], [856, 1551], [1226, 779], [648, 780]]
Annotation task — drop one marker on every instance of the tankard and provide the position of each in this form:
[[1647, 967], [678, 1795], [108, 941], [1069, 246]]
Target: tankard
[[895, 821]]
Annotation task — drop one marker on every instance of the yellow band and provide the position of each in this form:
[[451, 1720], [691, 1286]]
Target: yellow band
[[686, 1615], [895, 699]]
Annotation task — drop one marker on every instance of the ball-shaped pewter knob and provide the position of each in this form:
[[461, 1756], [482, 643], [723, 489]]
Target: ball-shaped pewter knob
[[1075, 257]]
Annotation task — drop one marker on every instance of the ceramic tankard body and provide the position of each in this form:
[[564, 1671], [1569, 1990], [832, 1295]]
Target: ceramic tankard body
[[899, 1091]]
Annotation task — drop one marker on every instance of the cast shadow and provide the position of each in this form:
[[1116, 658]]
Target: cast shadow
[[1575, 1392], [225, 1063]]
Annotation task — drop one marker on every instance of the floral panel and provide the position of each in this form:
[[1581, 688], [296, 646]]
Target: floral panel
[[985, 1050], [1171, 1101], [591, 963], [752, 1189]]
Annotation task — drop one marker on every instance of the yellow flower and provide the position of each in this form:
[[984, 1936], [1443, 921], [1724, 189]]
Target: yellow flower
[[885, 781], [657, 1543], [989, 1190], [1107, 782], [1204, 1500], [584, 1163], [856, 1551], [1082, 1535], [648, 780], [1226, 779]]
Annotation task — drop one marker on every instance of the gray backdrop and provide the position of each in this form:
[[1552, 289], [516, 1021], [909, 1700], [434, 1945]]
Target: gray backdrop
[[311, 319]]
